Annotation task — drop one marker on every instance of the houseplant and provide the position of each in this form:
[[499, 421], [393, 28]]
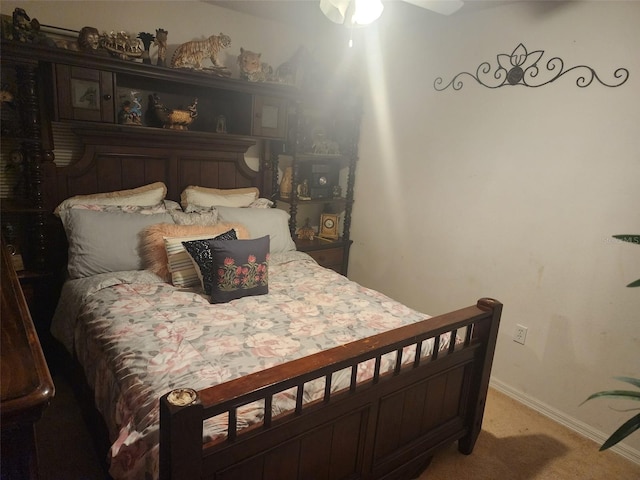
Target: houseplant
[[633, 424], [631, 239]]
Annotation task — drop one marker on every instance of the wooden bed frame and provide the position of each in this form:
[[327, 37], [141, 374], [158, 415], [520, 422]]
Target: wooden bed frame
[[387, 427]]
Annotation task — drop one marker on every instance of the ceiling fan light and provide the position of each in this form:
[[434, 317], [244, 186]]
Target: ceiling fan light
[[352, 12], [443, 7], [335, 10], [366, 11]]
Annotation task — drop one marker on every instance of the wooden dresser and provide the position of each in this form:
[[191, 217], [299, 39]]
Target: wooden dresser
[[26, 387]]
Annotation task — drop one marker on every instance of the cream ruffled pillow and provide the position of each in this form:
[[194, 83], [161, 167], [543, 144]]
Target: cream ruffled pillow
[[204, 197], [144, 196]]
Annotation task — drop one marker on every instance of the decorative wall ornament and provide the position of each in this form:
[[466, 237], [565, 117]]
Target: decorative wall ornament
[[521, 68]]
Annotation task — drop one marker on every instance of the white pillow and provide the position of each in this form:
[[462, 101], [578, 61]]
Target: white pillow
[[144, 196], [260, 222], [204, 197]]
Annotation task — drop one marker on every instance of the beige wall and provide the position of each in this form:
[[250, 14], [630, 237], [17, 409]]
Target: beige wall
[[512, 193]]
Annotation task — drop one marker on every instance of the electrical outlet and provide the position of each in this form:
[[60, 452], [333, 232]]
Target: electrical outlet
[[520, 335]]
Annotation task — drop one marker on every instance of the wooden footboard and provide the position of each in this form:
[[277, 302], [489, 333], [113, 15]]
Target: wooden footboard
[[386, 427]]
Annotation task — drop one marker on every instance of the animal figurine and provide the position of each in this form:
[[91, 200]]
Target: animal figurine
[[146, 38], [191, 54], [26, 29], [306, 232], [252, 69], [22, 26], [176, 119], [122, 45], [88, 41], [291, 71], [161, 43]]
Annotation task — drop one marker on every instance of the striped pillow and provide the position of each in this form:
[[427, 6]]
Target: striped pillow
[[181, 267], [152, 245]]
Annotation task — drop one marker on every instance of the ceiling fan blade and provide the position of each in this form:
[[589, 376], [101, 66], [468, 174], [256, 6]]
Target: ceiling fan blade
[[443, 7]]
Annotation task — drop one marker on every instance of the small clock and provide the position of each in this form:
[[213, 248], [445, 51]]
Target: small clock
[[328, 226]]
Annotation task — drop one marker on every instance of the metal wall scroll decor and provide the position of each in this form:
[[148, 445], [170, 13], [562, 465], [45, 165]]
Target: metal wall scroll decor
[[521, 68]]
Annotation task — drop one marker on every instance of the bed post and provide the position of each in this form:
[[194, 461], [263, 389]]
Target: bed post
[[180, 435], [487, 331]]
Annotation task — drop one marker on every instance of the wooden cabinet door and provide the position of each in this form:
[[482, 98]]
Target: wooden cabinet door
[[84, 94], [269, 117]]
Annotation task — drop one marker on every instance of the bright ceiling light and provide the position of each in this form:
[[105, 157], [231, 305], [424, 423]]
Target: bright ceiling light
[[352, 12]]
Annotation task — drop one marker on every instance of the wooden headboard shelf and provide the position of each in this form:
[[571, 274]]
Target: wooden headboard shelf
[[120, 157], [86, 92]]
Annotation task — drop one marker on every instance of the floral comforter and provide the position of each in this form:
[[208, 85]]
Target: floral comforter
[[137, 338]]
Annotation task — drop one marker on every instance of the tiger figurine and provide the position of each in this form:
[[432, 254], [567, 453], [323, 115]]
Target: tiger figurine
[[191, 54], [252, 69]]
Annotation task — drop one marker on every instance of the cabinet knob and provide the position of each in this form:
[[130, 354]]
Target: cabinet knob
[[106, 96]]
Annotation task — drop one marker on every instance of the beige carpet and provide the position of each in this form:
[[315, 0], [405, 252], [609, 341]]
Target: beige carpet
[[517, 443]]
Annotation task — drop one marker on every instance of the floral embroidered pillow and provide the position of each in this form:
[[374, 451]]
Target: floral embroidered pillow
[[242, 268], [239, 268]]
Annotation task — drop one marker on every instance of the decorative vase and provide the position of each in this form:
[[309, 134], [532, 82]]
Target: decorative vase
[[286, 183]]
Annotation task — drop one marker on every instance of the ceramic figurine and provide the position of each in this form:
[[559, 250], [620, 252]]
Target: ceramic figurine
[[303, 190], [122, 45], [161, 42], [306, 232], [252, 69], [130, 110], [176, 119], [191, 54], [286, 183], [147, 39], [221, 124]]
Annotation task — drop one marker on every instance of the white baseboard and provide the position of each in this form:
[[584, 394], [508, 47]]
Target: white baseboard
[[577, 426]]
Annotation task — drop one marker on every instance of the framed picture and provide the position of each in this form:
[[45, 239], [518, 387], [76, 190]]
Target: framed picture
[[85, 94]]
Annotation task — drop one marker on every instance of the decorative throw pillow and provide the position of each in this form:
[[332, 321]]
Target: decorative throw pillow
[[261, 203], [208, 217], [238, 268], [151, 194], [199, 253], [162, 251], [141, 209], [204, 197]]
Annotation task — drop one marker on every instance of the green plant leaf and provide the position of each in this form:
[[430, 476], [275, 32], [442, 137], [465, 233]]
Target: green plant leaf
[[626, 237], [631, 380], [626, 394], [631, 238], [626, 429]]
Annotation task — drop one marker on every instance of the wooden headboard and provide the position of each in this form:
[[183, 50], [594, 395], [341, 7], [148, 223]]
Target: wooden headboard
[[120, 157], [117, 157]]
